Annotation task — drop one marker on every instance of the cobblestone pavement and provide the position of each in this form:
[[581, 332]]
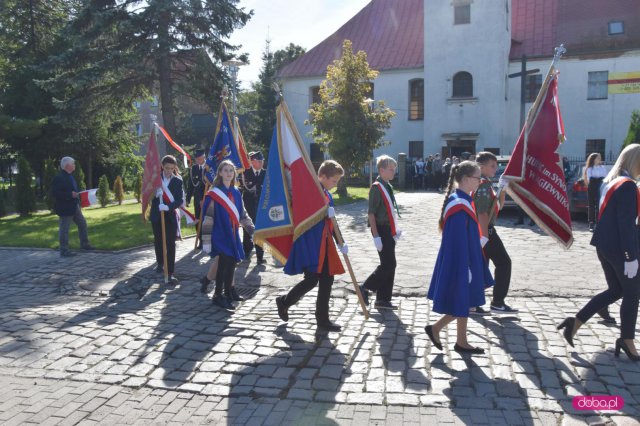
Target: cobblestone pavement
[[98, 338]]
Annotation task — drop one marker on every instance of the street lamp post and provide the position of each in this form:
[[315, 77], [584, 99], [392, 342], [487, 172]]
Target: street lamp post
[[233, 66]]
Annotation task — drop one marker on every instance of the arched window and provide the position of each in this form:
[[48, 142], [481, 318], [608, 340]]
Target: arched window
[[416, 99], [462, 85]]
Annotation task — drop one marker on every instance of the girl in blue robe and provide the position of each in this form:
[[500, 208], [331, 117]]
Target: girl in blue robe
[[461, 273], [224, 214]]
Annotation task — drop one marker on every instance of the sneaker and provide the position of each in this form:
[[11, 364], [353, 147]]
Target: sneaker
[[329, 326], [503, 309], [478, 310], [365, 294], [283, 311], [385, 305]]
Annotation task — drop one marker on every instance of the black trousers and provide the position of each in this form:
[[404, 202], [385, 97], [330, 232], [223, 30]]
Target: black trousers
[[496, 252], [224, 276], [170, 230], [251, 205], [593, 194], [311, 279], [381, 279], [618, 286]]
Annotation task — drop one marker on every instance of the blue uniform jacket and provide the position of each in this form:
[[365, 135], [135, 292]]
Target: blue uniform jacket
[[175, 187], [616, 235], [61, 187], [225, 238]]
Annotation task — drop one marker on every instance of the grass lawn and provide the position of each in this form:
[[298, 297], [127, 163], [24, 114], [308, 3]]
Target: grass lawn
[[110, 228], [355, 194]]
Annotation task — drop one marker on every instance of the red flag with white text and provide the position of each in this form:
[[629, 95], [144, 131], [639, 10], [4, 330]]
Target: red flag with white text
[[535, 174]]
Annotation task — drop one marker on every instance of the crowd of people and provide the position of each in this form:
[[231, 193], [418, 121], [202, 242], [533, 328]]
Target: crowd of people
[[469, 239], [431, 172]]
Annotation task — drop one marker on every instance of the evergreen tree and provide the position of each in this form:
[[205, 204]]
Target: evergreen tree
[[137, 188], [50, 171], [633, 135], [124, 49], [78, 175], [344, 120], [103, 191], [118, 190], [284, 57], [25, 196]]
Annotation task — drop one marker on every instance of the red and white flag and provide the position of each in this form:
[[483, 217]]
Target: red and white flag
[[151, 180], [185, 156], [535, 173], [88, 197]]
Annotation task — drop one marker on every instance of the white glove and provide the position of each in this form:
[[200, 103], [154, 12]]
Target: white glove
[[502, 182], [344, 249], [483, 241], [163, 207], [378, 242], [398, 235], [470, 276], [206, 248], [159, 192], [331, 212], [631, 269]]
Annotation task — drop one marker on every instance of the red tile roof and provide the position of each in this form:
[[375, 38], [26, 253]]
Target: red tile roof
[[392, 32]]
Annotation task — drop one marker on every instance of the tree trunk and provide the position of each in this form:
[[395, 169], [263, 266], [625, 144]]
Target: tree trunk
[[88, 177], [164, 74], [342, 187]]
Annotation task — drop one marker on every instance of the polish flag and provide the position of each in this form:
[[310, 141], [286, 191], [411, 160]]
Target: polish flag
[[88, 197]]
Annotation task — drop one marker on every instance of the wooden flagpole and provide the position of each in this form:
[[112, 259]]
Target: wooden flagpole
[[164, 249], [338, 234], [199, 224]]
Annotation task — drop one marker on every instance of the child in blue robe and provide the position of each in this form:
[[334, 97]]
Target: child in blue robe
[[461, 273], [224, 214]]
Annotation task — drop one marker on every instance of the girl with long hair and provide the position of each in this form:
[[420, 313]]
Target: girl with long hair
[[594, 173]]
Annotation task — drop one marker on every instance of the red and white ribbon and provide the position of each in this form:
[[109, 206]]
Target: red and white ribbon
[[388, 204]]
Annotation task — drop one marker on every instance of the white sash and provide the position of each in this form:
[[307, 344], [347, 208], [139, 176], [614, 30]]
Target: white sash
[[393, 217], [230, 205]]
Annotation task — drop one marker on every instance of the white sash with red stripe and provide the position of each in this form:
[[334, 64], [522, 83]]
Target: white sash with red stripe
[[455, 206], [388, 204], [167, 198], [228, 204], [608, 190]]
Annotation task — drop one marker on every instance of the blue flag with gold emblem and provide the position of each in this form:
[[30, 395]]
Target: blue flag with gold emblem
[[224, 146]]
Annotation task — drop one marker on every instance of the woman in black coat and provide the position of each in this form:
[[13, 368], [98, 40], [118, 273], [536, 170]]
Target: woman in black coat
[[616, 242]]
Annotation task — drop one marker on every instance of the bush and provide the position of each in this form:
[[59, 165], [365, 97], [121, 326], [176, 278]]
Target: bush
[[25, 196], [103, 191], [78, 175], [50, 171], [137, 188], [118, 190]]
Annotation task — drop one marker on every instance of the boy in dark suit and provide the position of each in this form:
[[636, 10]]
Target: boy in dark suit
[[197, 185], [251, 184]]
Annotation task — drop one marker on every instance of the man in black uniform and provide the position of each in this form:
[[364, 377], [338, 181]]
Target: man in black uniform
[[251, 185], [196, 185]]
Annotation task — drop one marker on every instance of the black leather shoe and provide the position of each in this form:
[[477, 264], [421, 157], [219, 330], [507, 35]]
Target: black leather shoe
[[429, 330], [204, 281], [568, 324], [283, 311], [606, 316], [235, 296], [173, 281], [88, 247], [365, 294], [620, 344], [261, 261], [471, 350], [67, 253], [223, 302], [329, 326]]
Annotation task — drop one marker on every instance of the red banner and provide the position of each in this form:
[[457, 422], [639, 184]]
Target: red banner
[[535, 174], [185, 156], [151, 180]]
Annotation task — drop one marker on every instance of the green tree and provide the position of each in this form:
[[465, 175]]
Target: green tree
[[3, 202], [284, 57], [345, 121], [103, 191], [78, 175], [25, 196], [50, 171], [122, 50], [118, 190], [633, 135], [137, 189]]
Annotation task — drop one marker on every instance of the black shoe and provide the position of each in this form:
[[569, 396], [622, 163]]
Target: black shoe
[[592, 226], [329, 326], [478, 310], [205, 283], [620, 344], [568, 324], [223, 302], [429, 330], [531, 223], [67, 253], [235, 296], [261, 261], [88, 247], [606, 316], [385, 305], [173, 281], [471, 350], [159, 268], [365, 294], [283, 311], [503, 309], [519, 222]]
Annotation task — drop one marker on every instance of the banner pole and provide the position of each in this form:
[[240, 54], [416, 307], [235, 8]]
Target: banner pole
[[340, 240], [199, 224], [164, 249]]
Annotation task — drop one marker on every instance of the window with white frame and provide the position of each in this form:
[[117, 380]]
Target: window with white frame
[[416, 99], [598, 85]]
